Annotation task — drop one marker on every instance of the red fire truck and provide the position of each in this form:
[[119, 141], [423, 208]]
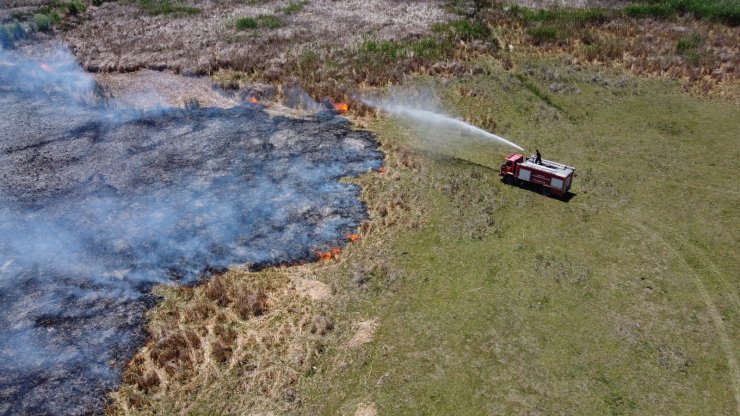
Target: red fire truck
[[548, 176]]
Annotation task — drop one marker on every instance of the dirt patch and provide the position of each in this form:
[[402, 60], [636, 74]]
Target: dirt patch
[[366, 409], [313, 289], [364, 334]]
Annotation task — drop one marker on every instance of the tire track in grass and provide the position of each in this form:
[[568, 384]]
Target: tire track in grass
[[717, 321]]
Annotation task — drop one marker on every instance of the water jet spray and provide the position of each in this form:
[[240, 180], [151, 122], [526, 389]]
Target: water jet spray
[[430, 117]]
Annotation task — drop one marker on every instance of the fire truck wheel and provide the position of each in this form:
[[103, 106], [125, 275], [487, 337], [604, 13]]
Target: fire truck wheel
[[546, 191], [509, 180]]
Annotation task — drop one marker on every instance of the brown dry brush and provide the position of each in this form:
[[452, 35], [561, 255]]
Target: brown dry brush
[[645, 47], [702, 53], [335, 72], [253, 325]]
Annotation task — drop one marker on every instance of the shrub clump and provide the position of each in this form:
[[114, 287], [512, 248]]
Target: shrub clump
[[42, 21], [261, 21], [561, 15], [157, 7], [465, 30], [542, 34], [468, 30], [380, 50], [688, 47], [245, 23], [252, 305], [688, 43], [217, 290], [10, 33], [74, 7], [641, 11], [724, 11], [431, 48]]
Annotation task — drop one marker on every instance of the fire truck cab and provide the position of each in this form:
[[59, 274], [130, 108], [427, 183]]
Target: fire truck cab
[[548, 176]]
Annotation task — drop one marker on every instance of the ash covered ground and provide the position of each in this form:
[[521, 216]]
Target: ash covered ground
[[100, 203]]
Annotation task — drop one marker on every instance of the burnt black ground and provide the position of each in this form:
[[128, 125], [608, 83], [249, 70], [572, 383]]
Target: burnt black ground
[[98, 204]]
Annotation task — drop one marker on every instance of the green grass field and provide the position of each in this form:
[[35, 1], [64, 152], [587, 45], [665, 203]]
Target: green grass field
[[492, 299]]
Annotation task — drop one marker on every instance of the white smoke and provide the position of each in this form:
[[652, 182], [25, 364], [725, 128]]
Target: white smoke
[[100, 203]]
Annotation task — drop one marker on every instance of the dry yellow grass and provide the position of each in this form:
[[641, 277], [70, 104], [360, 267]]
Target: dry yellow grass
[[366, 409], [364, 334], [255, 333]]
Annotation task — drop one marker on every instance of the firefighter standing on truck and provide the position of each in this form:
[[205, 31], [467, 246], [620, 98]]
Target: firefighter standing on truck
[[538, 159]]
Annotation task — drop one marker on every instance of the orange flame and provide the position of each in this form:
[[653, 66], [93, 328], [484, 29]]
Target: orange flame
[[252, 100], [46, 67], [352, 237], [341, 107], [328, 255], [381, 169]]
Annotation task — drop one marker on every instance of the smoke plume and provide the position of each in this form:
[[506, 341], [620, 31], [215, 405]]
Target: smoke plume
[[99, 203]]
